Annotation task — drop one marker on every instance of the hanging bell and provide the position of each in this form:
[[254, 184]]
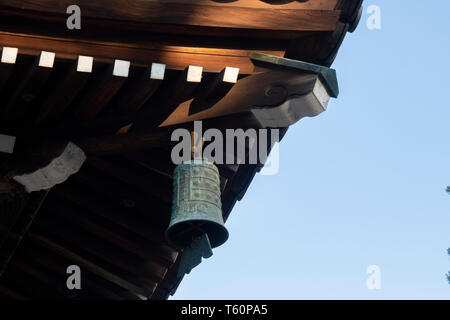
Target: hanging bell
[[197, 206]]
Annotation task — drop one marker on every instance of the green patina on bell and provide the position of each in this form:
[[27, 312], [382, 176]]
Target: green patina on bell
[[197, 206]]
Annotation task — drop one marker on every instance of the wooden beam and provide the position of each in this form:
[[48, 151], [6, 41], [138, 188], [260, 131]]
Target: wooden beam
[[212, 57], [11, 293], [8, 60], [139, 251], [65, 92], [103, 208], [349, 9], [18, 104], [138, 90], [55, 264], [264, 4], [128, 173], [170, 95], [41, 281], [5, 186], [155, 138], [192, 14], [18, 227], [92, 267], [122, 143], [214, 88], [258, 94], [101, 89], [162, 164], [170, 283], [54, 222], [32, 281]]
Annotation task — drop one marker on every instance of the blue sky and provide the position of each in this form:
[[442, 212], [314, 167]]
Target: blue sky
[[362, 184]]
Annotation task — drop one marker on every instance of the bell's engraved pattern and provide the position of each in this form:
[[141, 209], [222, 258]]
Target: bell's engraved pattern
[[197, 205], [198, 182]]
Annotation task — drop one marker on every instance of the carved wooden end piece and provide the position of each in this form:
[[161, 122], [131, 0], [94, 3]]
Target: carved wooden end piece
[[58, 171]]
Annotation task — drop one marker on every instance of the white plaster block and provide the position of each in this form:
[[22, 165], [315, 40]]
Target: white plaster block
[[231, 75], [158, 71], [47, 59], [121, 68], [194, 74], [9, 55], [85, 64]]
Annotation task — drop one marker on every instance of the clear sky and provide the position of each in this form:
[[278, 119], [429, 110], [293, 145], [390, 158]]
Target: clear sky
[[361, 184]]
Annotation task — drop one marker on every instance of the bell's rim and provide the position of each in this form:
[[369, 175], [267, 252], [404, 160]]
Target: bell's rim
[[218, 236]]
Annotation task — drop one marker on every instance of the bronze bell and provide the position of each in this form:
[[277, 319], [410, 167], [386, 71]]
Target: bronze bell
[[197, 206]]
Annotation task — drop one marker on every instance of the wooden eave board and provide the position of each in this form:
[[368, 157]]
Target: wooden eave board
[[193, 14]]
